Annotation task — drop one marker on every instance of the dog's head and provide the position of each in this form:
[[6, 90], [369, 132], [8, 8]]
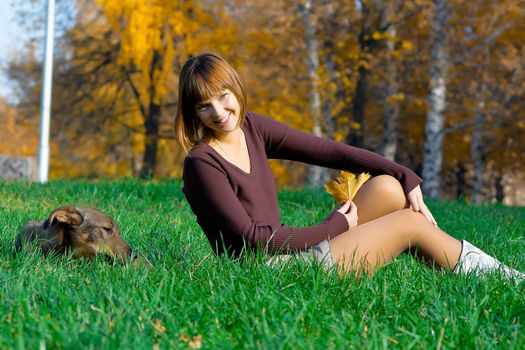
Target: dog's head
[[87, 232]]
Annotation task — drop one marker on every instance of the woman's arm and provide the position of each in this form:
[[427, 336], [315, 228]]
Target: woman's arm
[[214, 202], [284, 142]]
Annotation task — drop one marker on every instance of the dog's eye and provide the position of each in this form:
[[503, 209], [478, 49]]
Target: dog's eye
[[108, 229]]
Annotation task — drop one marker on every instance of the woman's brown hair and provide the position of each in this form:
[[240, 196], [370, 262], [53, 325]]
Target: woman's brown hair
[[201, 78]]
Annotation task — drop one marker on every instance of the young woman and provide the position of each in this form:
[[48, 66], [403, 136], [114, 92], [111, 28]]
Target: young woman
[[231, 190]]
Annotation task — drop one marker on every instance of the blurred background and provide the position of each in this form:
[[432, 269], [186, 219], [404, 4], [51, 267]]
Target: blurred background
[[438, 86]]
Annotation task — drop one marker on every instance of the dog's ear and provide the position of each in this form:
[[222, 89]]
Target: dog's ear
[[67, 215]]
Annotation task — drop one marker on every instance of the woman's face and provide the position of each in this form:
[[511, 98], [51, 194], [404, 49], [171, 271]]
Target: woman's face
[[220, 113]]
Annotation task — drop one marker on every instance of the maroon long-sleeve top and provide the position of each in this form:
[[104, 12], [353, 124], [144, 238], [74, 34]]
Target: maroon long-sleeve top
[[237, 210]]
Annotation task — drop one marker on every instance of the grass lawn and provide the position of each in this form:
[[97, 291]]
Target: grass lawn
[[190, 299]]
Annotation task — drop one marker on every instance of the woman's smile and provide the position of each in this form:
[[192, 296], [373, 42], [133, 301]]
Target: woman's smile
[[220, 113], [223, 120]]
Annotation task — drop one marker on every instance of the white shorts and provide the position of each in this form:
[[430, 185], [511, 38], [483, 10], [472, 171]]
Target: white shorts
[[323, 253], [320, 252]]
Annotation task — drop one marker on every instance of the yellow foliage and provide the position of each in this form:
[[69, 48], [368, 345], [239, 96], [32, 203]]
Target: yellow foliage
[[147, 30], [339, 136], [18, 138], [377, 35], [281, 174], [407, 45], [393, 99], [363, 63], [397, 54], [346, 185]]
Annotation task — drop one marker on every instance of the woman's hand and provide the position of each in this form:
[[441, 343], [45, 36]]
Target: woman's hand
[[349, 210], [415, 197]]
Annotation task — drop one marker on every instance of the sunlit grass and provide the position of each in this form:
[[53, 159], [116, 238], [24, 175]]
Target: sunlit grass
[[191, 299]]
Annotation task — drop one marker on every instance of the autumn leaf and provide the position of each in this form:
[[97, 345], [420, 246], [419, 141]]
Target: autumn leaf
[[346, 185]]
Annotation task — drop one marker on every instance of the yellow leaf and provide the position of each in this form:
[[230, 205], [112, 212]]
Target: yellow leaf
[[346, 185]]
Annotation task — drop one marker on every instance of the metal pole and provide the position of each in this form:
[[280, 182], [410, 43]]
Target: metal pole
[[45, 99]]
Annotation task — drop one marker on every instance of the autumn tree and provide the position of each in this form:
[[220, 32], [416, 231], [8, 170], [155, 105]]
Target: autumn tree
[[19, 134], [489, 53], [116, 83]]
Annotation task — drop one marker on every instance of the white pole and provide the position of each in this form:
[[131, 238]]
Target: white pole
[[45, 99]]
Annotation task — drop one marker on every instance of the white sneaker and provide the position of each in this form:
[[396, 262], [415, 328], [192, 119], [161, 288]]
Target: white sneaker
[[474, 260]]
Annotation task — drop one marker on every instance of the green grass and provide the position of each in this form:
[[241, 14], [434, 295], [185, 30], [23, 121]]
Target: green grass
[[64, 303]]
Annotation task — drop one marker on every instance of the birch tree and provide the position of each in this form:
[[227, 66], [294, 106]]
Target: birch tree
[[314, 176], [391, 105], [432, 158]]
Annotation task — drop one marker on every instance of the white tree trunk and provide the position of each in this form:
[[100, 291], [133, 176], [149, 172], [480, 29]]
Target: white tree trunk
[[391, 107], [330, 96], [432, 158], [314, 175], [330, 66]]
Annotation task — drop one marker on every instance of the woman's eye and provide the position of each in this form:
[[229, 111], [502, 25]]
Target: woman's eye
[[107, 229], [224, 95]]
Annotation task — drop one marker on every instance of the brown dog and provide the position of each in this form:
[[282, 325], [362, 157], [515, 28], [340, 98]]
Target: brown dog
[[84, 231]]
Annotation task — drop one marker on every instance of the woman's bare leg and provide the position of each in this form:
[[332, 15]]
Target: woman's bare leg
[[369, 246], [379, 196]]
